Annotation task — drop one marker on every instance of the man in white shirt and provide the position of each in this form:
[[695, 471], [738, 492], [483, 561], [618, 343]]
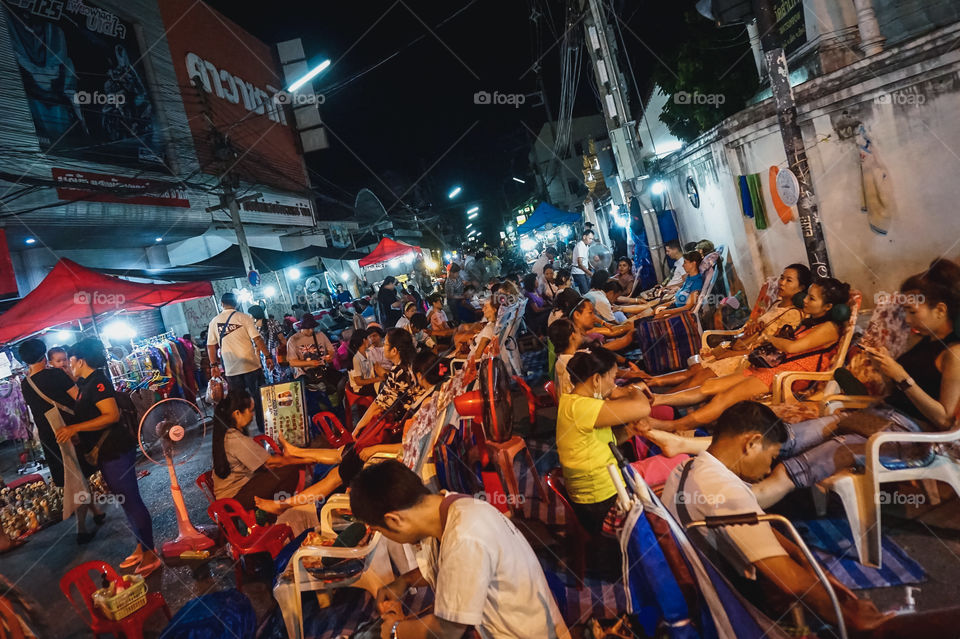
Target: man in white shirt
[[546, 259], [675, 252], [722, 481], [482, 570], [234, 341], [580, 270]]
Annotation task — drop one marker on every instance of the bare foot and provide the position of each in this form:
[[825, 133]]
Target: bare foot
[[271, 506], [672, 444]]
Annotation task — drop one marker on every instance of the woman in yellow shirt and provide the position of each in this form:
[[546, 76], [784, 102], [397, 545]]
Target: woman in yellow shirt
[[585, 421]]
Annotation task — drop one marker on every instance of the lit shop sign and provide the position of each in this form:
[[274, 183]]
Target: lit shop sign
[[234, 89]]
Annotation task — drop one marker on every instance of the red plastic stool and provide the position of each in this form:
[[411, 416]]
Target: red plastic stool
[[351, 399], [502, 455]]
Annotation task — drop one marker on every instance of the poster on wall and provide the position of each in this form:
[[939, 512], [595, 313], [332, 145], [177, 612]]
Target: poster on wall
[[84, 82], [285, 412]]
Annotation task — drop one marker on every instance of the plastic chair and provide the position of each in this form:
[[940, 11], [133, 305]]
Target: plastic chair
[[551, 389], [130, 627], [269, 539], [531, 398], [503, 456], [861, 494], [205, 484], [10, 620], [274, 447], [783, 382], [577, 537], [352, 399], [332, 430]]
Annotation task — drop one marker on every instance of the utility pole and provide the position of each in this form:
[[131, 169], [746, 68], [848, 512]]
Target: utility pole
[[224, 154], [613, 94], [779, 75]]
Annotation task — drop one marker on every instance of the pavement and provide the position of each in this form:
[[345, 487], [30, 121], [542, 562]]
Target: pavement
[[929, 534]]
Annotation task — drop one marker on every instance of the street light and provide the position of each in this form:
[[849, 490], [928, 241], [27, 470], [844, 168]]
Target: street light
[[294, 273], [470, 224], [509, 229], [472, 215], [31, 240], [158, 239], [310, 75], [269, 291], [473, 210], [516, 179], [455, 192], [658, 187]]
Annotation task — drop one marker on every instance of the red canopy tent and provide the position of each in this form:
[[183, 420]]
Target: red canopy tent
[[388, 249], [72, 292]]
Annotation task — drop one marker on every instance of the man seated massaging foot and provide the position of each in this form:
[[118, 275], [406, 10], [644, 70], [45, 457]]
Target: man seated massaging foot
[[812, 347], [725, 360], [763, 564], [482, 570]]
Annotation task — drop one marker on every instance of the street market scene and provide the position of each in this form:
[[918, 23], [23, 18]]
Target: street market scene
[[544, 319]]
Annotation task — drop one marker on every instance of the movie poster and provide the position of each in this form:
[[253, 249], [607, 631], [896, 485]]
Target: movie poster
[[85, 82]]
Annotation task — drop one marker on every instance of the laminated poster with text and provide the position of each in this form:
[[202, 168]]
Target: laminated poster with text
[[285, 412]]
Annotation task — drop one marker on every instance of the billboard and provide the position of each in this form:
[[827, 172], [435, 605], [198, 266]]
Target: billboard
[[84, 81], [238, 78], [73, 185]]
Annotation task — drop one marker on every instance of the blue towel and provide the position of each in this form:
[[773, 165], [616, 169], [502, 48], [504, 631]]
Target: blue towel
[[831, 541], [745, 201]]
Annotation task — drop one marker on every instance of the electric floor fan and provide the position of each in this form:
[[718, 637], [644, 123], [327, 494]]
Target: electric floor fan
[[171, 432]]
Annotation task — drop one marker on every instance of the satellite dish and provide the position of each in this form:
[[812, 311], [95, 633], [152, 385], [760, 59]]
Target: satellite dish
[[313, 284], [369, 208], [599, 256]]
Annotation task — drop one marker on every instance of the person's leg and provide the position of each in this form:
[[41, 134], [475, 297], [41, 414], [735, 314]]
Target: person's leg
[[326, 456], [581, 282], [252, 381], [672, 379], [318, 492], [269, 483], [591, 516], [120, 475], [746, 388], [700, 378], [673, 444]]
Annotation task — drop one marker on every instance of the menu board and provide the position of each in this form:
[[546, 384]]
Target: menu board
[[285, 412]]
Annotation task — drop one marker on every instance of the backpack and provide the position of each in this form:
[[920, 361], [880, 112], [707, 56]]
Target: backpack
[[458, 466]]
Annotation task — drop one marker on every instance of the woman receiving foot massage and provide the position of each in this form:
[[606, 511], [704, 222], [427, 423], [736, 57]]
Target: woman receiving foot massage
[[429, 371], [926, 395], [731, 358], [811, 347]]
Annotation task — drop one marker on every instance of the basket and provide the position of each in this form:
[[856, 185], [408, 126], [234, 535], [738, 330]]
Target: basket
[[124, 603]]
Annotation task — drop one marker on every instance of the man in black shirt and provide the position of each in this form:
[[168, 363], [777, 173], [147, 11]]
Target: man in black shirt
[[55, 385]]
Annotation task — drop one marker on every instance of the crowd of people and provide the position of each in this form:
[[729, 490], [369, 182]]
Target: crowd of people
[[398, 351]]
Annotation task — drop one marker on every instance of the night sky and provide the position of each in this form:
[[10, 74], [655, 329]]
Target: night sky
[[392, 124]]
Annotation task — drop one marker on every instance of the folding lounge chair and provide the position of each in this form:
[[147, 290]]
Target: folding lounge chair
[[724, 613]]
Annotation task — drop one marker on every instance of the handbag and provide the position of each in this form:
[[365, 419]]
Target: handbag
[[769, 356], [323, 377]]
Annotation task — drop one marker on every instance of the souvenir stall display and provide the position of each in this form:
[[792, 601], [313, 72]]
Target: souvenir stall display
[[34, 505]]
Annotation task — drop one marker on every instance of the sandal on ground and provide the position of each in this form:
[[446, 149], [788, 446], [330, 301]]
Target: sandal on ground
[[145, 570], [132, 560]]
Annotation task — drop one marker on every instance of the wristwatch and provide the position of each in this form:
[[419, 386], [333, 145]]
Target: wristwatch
[[393, 630], [904, 384]]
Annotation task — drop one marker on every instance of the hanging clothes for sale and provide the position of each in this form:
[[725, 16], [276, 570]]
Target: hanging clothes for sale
[[14, 414]]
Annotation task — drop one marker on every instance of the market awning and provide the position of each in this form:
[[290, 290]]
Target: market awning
[[229, 263], [546, 214], [71, 292], [388, 249]]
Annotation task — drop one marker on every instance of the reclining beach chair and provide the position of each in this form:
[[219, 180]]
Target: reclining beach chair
[[664, 571]]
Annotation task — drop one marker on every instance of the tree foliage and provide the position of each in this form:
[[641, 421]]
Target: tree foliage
[[707, 72]]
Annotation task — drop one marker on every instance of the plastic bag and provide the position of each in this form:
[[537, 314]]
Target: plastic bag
[[216, 390]]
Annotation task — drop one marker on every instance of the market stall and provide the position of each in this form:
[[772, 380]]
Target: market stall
[[546, 225]]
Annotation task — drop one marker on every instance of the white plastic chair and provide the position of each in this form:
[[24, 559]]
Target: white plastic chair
[[861, 494]]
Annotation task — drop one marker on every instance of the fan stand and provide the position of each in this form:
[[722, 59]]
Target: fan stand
[[189, 538]]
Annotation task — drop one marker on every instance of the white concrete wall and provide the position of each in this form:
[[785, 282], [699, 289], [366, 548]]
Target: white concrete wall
[[915, 131]]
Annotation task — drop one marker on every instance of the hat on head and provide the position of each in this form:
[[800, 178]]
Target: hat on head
[[308, 321]]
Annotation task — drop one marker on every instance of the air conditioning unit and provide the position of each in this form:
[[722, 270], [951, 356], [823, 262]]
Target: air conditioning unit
[[627, 151]]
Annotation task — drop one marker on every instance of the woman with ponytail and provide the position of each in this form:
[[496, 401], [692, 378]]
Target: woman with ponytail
[[811, 347], [242, 468]]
